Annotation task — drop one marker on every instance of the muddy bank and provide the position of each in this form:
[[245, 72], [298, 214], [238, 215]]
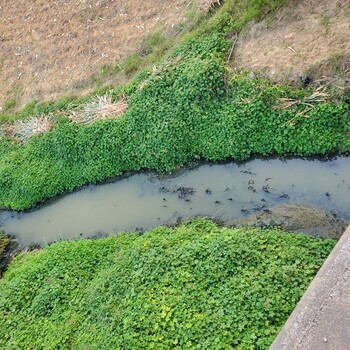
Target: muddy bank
[[9, 247], [296, 218]]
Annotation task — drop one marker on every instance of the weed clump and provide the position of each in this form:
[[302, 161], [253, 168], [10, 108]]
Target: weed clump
[[101, 107], [196, 286], [23, 130]]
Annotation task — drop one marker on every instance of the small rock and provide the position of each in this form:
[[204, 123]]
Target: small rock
[[251, 75]]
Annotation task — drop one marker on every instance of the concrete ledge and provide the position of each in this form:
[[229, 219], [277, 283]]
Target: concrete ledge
[[321, 319]]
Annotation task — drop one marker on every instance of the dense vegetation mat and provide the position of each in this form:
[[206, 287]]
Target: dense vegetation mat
[[194, 287]]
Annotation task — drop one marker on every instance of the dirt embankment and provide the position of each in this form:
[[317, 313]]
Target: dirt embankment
[[9, 247], [53, 48], [305, 38]]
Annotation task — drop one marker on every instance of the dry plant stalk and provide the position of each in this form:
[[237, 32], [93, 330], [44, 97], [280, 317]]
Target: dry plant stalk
[[99, 108], [158, 70], [319, 95], [23, 130], [206, 5]]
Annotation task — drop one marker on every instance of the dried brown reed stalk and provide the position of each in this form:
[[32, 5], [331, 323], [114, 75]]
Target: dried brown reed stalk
[[206, 5], [99, 108], [23, 130], [161, 68], [319, 95]]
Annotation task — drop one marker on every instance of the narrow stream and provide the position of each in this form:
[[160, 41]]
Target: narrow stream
[[220, 191]]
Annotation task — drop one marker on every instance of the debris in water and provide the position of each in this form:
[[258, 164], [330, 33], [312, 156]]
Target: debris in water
[[163, 189], [266, 188], [184, 192], [252, 189], [260, 207], [247, 172]]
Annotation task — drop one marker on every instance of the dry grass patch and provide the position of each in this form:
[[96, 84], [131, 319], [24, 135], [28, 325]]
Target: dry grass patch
[[57, 48], [305, 37], [101, 107], [22, 131], [206, 5]]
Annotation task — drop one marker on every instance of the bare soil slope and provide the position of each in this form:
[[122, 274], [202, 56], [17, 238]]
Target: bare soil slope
[[307, 37], [52, 48]]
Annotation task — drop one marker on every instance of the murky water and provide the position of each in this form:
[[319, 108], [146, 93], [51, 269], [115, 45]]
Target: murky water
[[225, 191]]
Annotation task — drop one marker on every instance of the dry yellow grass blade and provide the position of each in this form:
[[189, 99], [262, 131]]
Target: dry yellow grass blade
[[206, 5], [99, 108], [319, 95], [22, 131]]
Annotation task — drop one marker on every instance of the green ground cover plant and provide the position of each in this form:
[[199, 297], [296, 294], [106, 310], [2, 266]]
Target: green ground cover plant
[[194, 287], [187, 108]]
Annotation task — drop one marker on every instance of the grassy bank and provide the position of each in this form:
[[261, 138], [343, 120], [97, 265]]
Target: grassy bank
[[197, 286], [190, 107]]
